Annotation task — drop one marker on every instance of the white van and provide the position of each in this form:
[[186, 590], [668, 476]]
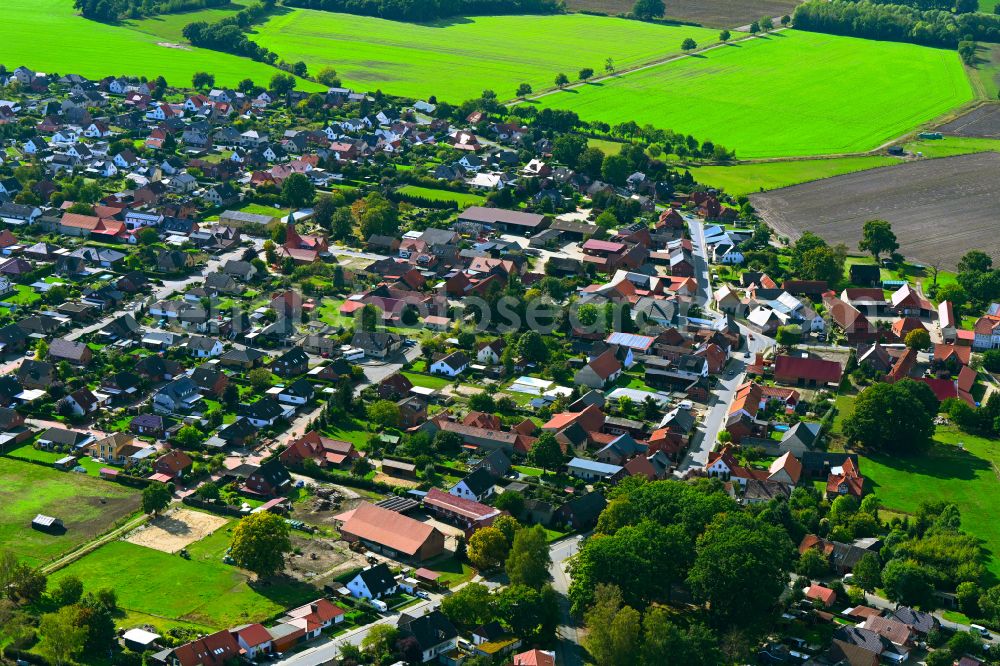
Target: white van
[[981, 630], [381, 605]]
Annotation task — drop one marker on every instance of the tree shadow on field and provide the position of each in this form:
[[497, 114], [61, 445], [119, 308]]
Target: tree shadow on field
[[698, 55], [445, 22], [596, 84], [942, 461]]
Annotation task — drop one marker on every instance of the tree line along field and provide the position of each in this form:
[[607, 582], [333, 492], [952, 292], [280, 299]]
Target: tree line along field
[[715, 13], [455, 59], [49, 36], [789, 93], [87, 506], [938, 208]]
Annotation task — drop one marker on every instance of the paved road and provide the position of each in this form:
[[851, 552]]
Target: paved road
[[569, 637], [702, 270], [163, 291], [876, 601], [326, 650]]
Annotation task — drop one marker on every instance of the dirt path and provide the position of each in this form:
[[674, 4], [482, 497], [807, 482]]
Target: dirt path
[[93, 545]]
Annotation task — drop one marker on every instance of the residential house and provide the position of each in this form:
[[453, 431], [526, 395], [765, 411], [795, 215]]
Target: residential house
[[476, 486], [324, 451], [592, 470], [434, 634], [600, 371], [806, 371], [373, 582], [291, 364], [175, 464], [451, 365], [270, 479]]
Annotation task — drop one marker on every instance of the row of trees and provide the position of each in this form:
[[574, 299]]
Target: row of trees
[[425, 10], [114, 10], [896, 22], [229, 34]]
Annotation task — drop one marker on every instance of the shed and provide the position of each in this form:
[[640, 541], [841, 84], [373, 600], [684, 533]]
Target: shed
[[139, 640], [48, 524]]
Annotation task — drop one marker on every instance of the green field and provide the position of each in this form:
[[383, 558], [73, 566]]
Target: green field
[[47, 35], [792, 93], [456, 59], [171, 26], [87, 507], [747, 178], [204, 592], [965, 477], [952, 145], [461, 198]]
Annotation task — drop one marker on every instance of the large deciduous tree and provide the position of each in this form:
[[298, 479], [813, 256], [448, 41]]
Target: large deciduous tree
[[877, 238], [735, 551], [893, 417], [260, 542]]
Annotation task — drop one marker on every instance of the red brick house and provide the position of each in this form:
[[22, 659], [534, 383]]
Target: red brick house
[[175, 464], [324, 451]]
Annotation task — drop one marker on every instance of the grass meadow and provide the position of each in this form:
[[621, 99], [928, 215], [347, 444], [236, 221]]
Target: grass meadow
[[87, 507], [964, 476], [461, 198], [48, 35], [457, 58], [790, 93], [762, 176], [202, 591]]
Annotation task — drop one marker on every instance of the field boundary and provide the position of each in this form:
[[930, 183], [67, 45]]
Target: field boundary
[[636, 68], [92, 545]]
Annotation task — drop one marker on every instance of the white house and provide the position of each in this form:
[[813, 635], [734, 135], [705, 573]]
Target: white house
[[451, 365], [373, 582], [476, 486], [201, 347], [490, 352], [298, 393]]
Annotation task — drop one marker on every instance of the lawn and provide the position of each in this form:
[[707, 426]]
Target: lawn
[[427, 381], [452, 571], [87, 507], [23, 296], [457, 58], [29, 452], [461, 198], [207, 593], [97, 49], [605, 146], [746, 178], [792, 93], [965, 477]]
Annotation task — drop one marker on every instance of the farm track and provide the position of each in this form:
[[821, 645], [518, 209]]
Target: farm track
[[92, 545], [636, 68]]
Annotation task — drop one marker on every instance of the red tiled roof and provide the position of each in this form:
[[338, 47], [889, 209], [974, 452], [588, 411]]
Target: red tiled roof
[[254, 634], [388, 528], [966, 378], [824, 594], [466, 508], [942, 388], [605, 365], [943, 351], [800, 367]]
